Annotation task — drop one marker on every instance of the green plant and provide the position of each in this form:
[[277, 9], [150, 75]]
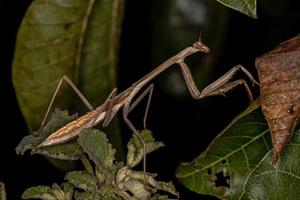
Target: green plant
[[81, 39], [2, 191], [238, 163], [248, 7], [105, 178]]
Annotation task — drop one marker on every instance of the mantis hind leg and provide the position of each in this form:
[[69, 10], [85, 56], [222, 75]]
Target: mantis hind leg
[[136, 133], [75, 89]]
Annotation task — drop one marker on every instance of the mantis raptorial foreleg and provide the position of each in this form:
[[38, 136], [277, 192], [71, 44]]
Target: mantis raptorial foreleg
[[108, 115], [229, 86], [109, 99], [76, 90], [218, 87]]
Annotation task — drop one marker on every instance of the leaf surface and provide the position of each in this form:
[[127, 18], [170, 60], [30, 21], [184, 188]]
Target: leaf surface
[[222, 169], [77, 38], [68, 190], [281, 181], [247, 7], [135, 147], [99, 150], [2, 191], [87, 196], [39, 192], [82, 180], [66, 151]]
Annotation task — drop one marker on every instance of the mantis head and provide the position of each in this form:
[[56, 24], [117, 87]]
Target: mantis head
[[201, 46]]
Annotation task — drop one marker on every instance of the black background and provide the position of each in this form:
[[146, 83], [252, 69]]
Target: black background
[[185, 125]]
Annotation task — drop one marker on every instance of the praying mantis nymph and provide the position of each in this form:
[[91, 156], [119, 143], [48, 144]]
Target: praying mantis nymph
[[127, 101]]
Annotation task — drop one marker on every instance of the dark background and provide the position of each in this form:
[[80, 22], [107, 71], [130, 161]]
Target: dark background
[[185, 125]]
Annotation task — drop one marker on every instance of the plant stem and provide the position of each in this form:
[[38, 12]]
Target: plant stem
[[87, 165]]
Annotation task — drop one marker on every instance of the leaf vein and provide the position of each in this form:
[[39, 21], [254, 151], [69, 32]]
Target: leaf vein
[[276, 171], [246, 158], [36, 68], [238, 149]]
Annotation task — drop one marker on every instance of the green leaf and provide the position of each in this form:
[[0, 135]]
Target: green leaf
[[95, 144], [78, 38], [66, 151], [150, 181], [111, 196], [2, 191], [58, 192], [247, 7], [281, 181], [111, 192], [39, 192], [82, 180], [135, 152], [68, 190], [221, 170], [160, 197], [168, 187], [137, 188], [87, 196], [142, 185]]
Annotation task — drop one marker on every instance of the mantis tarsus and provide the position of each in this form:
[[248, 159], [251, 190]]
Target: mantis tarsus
[[106, 111]]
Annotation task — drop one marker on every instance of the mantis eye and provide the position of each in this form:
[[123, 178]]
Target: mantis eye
[[201, 46]]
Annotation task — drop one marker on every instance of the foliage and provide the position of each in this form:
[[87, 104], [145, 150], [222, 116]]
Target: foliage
[[237, 164], [276, 182], [105, 178], [2, 191], [247, 7], [79, 38], [75, 38], [66, 151]]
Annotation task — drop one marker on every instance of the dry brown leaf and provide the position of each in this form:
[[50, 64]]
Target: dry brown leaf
[[279, 75]]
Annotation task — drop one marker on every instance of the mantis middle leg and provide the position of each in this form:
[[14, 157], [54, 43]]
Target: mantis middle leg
[[109, 100], [129, 107]]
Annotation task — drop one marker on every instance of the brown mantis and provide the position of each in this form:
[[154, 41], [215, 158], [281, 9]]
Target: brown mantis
[[125, 100]]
